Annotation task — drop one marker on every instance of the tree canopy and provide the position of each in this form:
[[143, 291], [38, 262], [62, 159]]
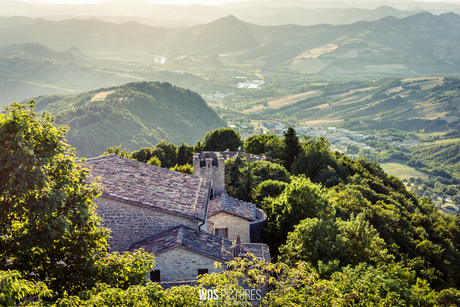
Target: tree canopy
[[49, 230], [221, 140]]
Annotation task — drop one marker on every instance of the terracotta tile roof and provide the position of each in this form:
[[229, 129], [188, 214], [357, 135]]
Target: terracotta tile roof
[[193, 240], [151, 186], [233, 206]]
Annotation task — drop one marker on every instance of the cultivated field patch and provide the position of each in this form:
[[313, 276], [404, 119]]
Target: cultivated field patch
[[291, 99], [307, 65], [399, 169], [255, 108], [323, 122], [101, 96], [385, 69], [316, 52]]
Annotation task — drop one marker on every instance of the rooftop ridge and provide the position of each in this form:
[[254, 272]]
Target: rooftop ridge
[[195, 203], [185, 237], [180, 235]]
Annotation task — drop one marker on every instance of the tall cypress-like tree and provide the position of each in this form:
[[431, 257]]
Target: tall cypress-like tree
[[292, 147]]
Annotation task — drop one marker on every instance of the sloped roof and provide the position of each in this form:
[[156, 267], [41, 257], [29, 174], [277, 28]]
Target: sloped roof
[[233, 206], [193, 240], [259, 250], [151, 186]]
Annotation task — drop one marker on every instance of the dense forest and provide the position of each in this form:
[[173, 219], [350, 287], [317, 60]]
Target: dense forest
[[135, 115]]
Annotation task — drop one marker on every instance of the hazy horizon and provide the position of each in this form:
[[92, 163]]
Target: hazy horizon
[[215, 2]]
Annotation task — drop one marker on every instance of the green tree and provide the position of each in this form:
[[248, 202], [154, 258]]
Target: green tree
[[198, 147], [185, 154], [49, 230], [243, 177], [170, 154], [351, 242], [291, 147], [268, 188], [116, 150], [353, 148], [145, 154], [317, 162], [186, 168], [313, 240], [221, 140], [256, 144], [361, 241], [264, 170], [237, 178], [275, 148], [300, 200], [154, 161]]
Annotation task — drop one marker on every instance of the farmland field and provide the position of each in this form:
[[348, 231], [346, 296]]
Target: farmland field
[[291, 99], [399, 169]]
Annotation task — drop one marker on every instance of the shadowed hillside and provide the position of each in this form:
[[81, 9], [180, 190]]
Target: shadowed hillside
[[134, 115]]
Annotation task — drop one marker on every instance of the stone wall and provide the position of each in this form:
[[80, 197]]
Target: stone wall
[[130, 223], [255, 227], [210, 165], [179, 263], [236, 226]]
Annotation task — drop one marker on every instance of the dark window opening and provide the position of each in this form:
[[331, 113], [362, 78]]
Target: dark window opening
[[155, 275], [221, 232], [202, 271]]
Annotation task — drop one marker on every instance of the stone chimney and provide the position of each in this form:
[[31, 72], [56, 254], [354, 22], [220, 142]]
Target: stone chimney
[[211, 165]]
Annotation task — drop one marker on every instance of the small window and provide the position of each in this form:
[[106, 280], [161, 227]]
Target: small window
[[202, 271], [155, 276], [221, 232]]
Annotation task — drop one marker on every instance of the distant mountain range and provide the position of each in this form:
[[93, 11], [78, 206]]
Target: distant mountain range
[[275, 12], [184, 16], [135, 115], [418, 44]]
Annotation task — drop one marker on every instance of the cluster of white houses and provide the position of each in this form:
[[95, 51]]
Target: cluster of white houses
[[188, 222]]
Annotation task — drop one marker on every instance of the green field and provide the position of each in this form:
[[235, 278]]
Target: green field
[[399, 168]]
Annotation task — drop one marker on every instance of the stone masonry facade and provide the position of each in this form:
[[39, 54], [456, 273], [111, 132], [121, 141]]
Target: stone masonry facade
[[179, 263], [236, 226], [211, 166], [130, 223]]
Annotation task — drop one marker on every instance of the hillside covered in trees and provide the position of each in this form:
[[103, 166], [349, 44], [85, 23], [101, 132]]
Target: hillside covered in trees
[[135, 115]]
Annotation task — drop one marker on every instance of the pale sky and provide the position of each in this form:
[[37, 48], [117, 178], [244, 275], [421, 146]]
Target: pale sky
[[209, 2], [180, 2], [205, 2]]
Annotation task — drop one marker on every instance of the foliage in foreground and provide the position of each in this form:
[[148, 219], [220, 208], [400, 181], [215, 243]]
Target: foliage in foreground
[[275, 284], [49, 230]]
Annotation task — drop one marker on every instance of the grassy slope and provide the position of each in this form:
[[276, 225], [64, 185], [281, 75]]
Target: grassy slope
[[399, 169]]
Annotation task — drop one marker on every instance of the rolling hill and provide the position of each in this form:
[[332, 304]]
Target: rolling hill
[[418, 44], [135, 115]]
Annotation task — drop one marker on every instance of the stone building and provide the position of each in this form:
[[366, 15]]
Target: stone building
[[231, 217], [177, 216], [140, 200], [211, 165], [183, 253]]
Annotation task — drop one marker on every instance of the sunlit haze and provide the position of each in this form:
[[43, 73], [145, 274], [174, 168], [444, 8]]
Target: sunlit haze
[[204, 2]]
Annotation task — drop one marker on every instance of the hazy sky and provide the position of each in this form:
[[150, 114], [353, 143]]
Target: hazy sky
[[205, 2]]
